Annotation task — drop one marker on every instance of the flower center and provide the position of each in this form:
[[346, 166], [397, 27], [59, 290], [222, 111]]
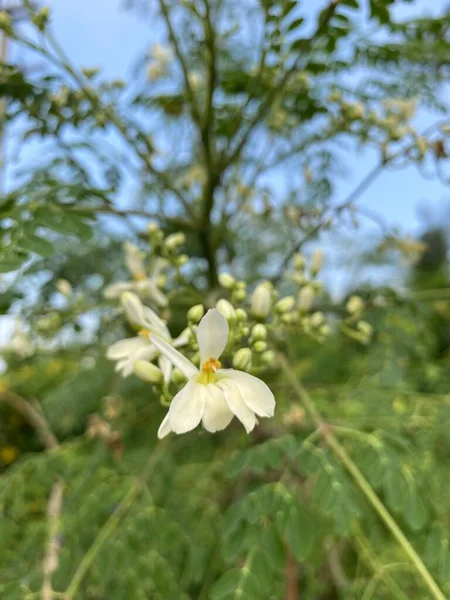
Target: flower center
[[209, 370], [144, 333], [140, 276]]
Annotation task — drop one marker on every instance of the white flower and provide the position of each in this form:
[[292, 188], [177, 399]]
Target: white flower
[[127, 352], [146, 285], [213, 395]]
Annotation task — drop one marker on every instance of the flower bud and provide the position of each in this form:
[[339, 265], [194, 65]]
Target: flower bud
[[177, 376], [365, 328], [289, 318], [64, 287], [148, 372], [259, 347], [5, 21], [174, 240], [354, 305], [239, 295], [316, 261], [245, 331], [285, 304], [241, 315], [317, 319], [227, 281], [182, 260], [195, 313], [242, 358], [41, 18], [161, 280], [152, 227], [259, 333], [261, 301], [268, 357], [299, 261], [241, 285], [306, 297], [227, 309]]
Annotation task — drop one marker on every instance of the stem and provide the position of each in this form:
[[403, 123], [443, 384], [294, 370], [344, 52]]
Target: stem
[[363, 484], [112, 523]]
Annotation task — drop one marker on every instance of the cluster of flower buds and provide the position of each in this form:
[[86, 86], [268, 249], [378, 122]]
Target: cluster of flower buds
[[160, 59], [353, 325]]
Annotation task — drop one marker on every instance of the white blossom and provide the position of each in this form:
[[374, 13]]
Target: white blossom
[[126, 352], [144, 283], [213, 395]]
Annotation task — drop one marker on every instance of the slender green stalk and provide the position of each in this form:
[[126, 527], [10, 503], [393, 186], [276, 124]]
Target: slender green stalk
[[112, 523], [362, 483]]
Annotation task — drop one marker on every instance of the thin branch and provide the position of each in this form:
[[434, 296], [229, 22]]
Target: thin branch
[[51, 559], [176, 46]]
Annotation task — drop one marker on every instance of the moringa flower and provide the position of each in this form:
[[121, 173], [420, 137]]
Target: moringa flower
[[143, 283], [127, 352], [213, 395]]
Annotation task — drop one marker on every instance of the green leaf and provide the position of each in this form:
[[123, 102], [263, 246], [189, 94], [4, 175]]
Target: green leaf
[[33, 243], [395, 488], [11, 262], [300, 532], [296, 23], [237, 583], [415, 511]]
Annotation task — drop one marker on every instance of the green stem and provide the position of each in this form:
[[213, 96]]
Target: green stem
[[112, 523], [363, 484]]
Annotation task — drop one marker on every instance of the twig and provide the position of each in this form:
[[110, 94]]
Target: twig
[[291, 578], [362, 482]]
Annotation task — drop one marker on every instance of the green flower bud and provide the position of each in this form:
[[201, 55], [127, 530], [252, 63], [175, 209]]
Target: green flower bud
[[5, 21], [259, 333], [177, 377], [182, 260], [289, 318], [148, 372], [242, 358], [285, 304], [268, 357], [259, 347], [153, 227], [299, 261], [354, 305], [241, 315], [195, 313], [239, 295], [174, 240], [324, 330], [227, 281], [245, 331], [241, 285], [261, 301], [365, 328], [227, 309], [41, 18]]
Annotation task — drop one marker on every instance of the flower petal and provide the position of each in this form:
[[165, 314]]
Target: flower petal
[[216, 415], [134, 259], [212, 335], [116, 289], [134, 309], [125, 366], [166, 367], [164, 428], [186, 409], [155, 324], [123, 348], [182, 339], [157, 295], [255, 393], [236, 404], [176, 358]]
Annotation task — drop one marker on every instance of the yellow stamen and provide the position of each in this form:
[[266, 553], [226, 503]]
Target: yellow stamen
[[144, 333], [140, 276], [208, 371]]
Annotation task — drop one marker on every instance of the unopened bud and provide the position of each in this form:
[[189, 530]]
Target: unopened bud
[[64, 287], [148, 372], [289, 318], [365, 328], [241, 315], [306, 297], [174, 240], [354, 305], [299, 262], [226, 281], [177, 377], [195, 313], [242, 358], [316, 261], [285, 304], [226, 309], [153, 227], [182, 260], [259, 347], [317, 319], [259, 333], [5, 21], [261, 301], [268, 357], [239, 295]]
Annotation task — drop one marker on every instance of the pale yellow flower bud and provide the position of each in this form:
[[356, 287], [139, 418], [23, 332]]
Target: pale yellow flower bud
[[299, 262], [317, 319], [259, 347], [242, 358], [317, 259], [177, 377], [241, 315], [174, 240], [306, 298], [227, 309], [355, 305], [366, 329], [148, 372], [64, 287], [195, 313], [285, 304], [268, 357], [227, 281], [261, 301]]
